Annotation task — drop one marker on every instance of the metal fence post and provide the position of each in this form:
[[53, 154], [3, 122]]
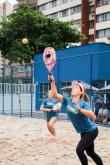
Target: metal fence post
[[3, 80], [11, 90], [20, 112], [31, 88], [91, 78], [58, 82]]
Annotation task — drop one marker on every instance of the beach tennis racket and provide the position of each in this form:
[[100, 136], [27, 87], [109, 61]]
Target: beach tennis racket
[[49, 58]]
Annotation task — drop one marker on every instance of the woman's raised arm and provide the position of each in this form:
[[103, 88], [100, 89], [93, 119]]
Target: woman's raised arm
[[56, 95]]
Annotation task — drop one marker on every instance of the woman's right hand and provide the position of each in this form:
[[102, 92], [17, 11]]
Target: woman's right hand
[[51, 78]]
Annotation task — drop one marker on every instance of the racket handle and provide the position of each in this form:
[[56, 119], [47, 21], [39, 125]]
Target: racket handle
[[50, 74]]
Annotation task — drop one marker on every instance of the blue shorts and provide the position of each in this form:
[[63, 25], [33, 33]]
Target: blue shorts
[[51, 114]]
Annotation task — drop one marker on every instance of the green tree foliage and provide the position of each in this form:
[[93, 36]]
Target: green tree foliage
[[38, 29]]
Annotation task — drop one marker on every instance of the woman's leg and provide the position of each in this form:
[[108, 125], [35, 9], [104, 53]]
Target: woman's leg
[[86, 141], [90, 152], [80, 152], [50, 126]]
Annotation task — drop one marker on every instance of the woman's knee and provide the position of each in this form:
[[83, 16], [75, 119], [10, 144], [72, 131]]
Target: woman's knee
[[79, 151], [50, 124]]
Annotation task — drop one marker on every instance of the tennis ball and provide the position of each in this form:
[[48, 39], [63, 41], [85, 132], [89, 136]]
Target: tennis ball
[[24, 40]]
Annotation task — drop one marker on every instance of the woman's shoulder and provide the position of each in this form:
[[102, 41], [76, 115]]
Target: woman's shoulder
[[85, 104]]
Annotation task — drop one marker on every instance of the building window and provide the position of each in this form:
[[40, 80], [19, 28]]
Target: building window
[[26, 81], [76, 9], [44, 7], [53, 3], [91, 24], [66, 92], [44, 88], [91, 12], [53, 16], [65, 83], [102, 2], [103, 17], [64, 13], [103, 33], [25, 68], [91, 38], [100, 34], [63, 1]]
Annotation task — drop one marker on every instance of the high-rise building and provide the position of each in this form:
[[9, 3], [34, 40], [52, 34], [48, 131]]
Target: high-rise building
[[93, 15], [5, 9]]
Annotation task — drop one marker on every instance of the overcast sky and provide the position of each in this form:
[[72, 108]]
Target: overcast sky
[[11, 1]]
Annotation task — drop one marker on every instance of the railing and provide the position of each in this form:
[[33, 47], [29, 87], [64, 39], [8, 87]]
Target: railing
[[8, 88]]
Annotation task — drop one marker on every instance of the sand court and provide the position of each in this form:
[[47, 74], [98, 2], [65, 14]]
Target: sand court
[[26, 141]]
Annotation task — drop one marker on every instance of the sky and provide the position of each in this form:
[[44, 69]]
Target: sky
[[11, 1]]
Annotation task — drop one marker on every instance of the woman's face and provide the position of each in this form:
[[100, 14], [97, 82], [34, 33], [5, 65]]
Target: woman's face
[[50, 94], [76, 90]]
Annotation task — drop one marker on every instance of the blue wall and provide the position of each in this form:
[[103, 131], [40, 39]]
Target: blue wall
[[86, 63]]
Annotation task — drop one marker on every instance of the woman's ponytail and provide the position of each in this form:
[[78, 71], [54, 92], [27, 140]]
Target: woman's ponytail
[[85, 97]]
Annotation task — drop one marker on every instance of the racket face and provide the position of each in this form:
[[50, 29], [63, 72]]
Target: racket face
[[49, 58]]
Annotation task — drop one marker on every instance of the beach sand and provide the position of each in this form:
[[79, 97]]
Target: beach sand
[[26, 141]]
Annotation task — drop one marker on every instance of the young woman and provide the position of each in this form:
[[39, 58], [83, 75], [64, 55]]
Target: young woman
[[82, 118], [51, 108]]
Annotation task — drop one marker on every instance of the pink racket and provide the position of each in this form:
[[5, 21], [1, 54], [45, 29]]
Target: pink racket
[[49, 58]]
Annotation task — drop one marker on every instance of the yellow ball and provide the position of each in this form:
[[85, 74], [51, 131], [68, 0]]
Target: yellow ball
[[24, 40]]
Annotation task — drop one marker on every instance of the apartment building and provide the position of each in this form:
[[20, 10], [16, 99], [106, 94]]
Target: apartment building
[[5, 9], [93, 15]]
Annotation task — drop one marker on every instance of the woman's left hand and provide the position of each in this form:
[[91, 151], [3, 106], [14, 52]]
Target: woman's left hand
[[77, 106]]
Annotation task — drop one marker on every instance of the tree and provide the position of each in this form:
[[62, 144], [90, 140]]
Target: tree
[[38, 29]]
